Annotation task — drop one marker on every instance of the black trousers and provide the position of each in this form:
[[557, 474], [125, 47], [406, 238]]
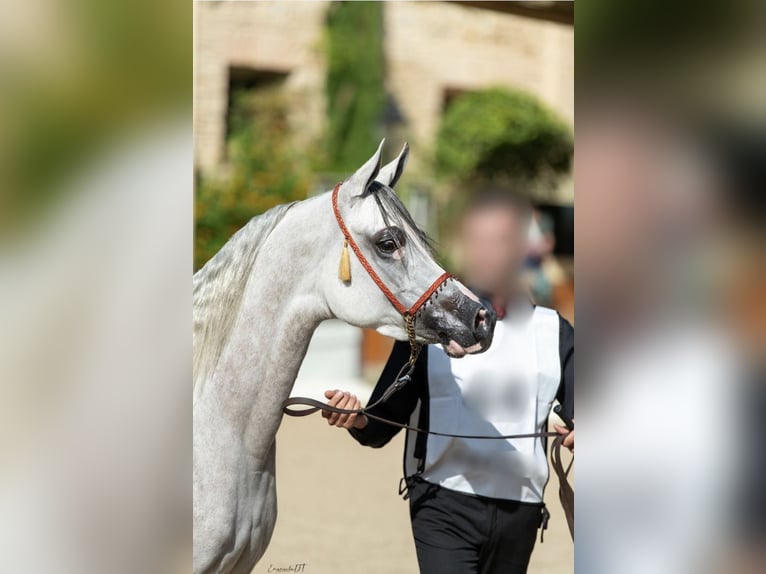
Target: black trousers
[[457, 533]]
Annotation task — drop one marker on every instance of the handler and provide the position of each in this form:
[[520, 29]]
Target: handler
[[475, 504]]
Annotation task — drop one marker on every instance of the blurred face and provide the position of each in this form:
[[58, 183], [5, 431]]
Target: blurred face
[[494, 241]]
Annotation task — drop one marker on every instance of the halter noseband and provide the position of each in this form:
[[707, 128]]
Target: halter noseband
[[407, 313]]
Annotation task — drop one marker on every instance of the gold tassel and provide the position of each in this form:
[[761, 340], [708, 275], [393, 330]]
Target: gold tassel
[[344, 271]]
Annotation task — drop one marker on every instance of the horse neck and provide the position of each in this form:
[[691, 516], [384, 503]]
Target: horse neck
[[280, 310]]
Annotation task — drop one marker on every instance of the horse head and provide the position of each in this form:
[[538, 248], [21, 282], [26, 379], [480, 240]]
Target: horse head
[[384, 268]]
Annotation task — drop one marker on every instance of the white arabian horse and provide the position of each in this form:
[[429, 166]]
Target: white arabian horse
[[257, 303]]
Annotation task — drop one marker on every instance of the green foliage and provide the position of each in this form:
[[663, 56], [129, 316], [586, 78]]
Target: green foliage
[[355, 89], [502, 134], [264, 171]]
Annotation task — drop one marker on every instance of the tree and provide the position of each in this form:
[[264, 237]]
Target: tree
[[356, 95], [263, 171], [500, 134]]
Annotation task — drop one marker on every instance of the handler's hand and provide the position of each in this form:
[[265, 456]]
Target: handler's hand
[[568, 436], [344, 400]]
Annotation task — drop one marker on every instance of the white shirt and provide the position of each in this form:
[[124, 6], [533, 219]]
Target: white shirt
[[509, 389]]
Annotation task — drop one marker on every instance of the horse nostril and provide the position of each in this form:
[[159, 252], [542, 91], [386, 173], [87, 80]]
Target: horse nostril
[[478, 321]]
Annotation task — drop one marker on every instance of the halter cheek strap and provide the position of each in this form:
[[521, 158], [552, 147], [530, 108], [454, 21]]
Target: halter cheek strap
[[349, 241]]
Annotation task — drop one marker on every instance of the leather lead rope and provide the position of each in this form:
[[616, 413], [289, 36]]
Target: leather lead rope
[[566, 492], [315, 406], [405, 374]]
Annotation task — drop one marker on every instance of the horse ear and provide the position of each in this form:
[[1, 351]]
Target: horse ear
[[365, 175], [391, 172]]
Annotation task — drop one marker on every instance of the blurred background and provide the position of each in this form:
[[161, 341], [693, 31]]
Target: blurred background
[[671, 150], [290, 98]]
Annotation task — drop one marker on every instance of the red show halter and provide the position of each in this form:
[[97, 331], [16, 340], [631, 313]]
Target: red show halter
[[398, 305], [405, 373]]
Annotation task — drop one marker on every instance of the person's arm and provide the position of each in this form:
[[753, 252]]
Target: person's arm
[[565, 394], [398, 407]]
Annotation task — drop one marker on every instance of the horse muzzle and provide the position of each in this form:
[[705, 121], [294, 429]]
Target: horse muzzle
[[462, 325]]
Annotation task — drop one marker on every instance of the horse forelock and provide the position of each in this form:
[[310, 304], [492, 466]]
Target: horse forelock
[[393, 210], [218, 288]]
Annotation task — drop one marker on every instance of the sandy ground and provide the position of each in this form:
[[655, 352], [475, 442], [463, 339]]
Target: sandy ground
[[339, 510]]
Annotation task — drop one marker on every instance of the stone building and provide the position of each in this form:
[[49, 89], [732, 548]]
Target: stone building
[[251, 43], [433, 51]]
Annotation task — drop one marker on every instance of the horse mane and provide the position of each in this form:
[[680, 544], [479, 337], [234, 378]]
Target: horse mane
[[218, 288]]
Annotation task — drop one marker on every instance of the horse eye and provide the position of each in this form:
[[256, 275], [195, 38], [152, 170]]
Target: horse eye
[[387, 241], [387, 246]]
